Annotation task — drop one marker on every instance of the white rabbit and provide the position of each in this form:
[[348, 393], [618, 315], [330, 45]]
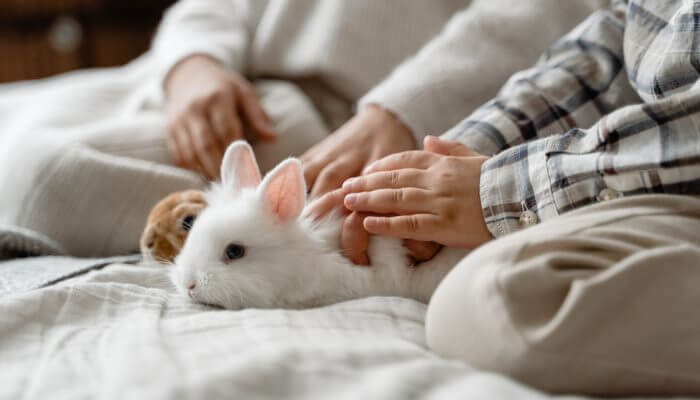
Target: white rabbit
[[251, 247]]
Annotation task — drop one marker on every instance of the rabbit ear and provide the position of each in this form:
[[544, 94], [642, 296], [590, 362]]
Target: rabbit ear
[[239, 169], [283, 191]]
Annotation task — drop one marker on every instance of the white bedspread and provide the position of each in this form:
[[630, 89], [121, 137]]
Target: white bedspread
[[121, 333]]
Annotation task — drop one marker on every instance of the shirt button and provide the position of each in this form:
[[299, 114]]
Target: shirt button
[[608, 194], [528, 218]]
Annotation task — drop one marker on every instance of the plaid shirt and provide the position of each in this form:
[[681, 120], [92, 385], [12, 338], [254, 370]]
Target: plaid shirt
[[612, 109]]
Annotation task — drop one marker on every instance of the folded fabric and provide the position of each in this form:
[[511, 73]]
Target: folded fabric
[[23, 274], [20, 242]]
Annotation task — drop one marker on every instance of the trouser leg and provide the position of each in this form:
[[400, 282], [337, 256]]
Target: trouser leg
[[602, 300]]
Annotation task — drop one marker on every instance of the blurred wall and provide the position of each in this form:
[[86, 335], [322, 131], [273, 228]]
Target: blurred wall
[[39, 38]]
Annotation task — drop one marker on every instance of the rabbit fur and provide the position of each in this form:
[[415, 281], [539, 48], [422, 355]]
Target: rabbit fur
[[168, 224], [289, 260]]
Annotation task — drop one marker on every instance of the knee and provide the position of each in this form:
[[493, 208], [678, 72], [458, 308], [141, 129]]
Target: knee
[[482, 314], [467, 318]]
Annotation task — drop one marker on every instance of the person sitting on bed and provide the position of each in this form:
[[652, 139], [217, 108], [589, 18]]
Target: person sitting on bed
[[579, 187], [86, 156]]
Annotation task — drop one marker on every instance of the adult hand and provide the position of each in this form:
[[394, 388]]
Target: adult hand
[[370, 135], [423, 196], [208, 106]]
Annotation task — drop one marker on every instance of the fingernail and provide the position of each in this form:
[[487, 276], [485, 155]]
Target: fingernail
[[347, 185], [350, 199]]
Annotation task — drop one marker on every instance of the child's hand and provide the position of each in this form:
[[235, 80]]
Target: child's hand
[[428, 196], [354, 239]]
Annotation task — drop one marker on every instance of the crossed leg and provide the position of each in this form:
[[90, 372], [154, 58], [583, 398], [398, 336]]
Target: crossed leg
[[601, 301]]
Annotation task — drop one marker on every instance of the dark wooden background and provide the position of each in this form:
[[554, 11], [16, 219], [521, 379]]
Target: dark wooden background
[[39, 38]]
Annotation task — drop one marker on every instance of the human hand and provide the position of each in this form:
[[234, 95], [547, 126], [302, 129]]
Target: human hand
[[422, 251], [423, 196], [354, 239], [207, 106], [368, 136]]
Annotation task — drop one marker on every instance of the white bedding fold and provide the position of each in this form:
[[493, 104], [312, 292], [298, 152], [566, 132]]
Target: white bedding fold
[[121, 333]]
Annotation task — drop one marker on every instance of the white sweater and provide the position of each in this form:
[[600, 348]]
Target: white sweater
[[353, 46]]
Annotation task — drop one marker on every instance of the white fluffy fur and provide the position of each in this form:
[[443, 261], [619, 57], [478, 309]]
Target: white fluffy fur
[[293, 264]]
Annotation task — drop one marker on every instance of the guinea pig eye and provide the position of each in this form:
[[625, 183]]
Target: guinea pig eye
[[187, 222], [233, 252]]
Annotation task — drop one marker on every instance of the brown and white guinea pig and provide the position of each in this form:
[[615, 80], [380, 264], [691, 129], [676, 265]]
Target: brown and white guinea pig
[[169, 223]]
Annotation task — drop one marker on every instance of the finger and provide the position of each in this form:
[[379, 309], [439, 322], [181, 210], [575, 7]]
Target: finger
[[226, 123], [434, 144], [185, 147], [256, 116], [207, 148], [235, 126], [391, 201], [407, 159], [320, 207], [172, 145], [354, 239], [414, 226], [333, 175], [311, 171], [421, 251], [201, 145], [395, 179]]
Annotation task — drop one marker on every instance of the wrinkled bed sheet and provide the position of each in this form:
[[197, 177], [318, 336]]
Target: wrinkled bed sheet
[[122, 333]]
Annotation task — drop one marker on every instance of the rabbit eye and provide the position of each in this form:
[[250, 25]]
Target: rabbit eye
[[187, 222], [233, 252]]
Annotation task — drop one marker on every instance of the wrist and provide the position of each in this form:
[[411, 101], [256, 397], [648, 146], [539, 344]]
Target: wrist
[[183, 69], [384, 117]]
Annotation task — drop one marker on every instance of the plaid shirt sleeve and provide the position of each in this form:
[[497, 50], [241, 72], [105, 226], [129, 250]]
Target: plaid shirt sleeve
[[554, 150], [580, 79]]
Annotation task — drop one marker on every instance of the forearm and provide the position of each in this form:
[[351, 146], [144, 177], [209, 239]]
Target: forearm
[[645, 148], [465, 65], [219, 29], [580, 79]]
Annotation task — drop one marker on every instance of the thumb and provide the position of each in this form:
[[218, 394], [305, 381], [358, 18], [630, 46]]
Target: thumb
[[434, 144]]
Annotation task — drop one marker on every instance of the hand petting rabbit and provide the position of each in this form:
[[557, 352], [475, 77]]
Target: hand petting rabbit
[[252, 246]]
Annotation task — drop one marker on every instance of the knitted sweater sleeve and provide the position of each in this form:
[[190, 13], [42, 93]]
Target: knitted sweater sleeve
[[466, 64], [220, 29]]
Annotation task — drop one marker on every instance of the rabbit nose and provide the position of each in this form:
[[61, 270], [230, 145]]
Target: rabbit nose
[[190, 289]]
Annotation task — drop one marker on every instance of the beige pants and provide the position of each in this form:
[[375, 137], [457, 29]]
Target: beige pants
[[604, 300], [88, 179]]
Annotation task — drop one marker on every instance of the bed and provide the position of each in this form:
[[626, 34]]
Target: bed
[[109, 328], [112, 328]]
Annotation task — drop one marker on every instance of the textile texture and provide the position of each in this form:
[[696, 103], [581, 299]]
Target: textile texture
[[613, 106]]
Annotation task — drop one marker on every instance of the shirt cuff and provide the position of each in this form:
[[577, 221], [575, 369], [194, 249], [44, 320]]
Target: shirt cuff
[[167, 62], [515, 189]]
